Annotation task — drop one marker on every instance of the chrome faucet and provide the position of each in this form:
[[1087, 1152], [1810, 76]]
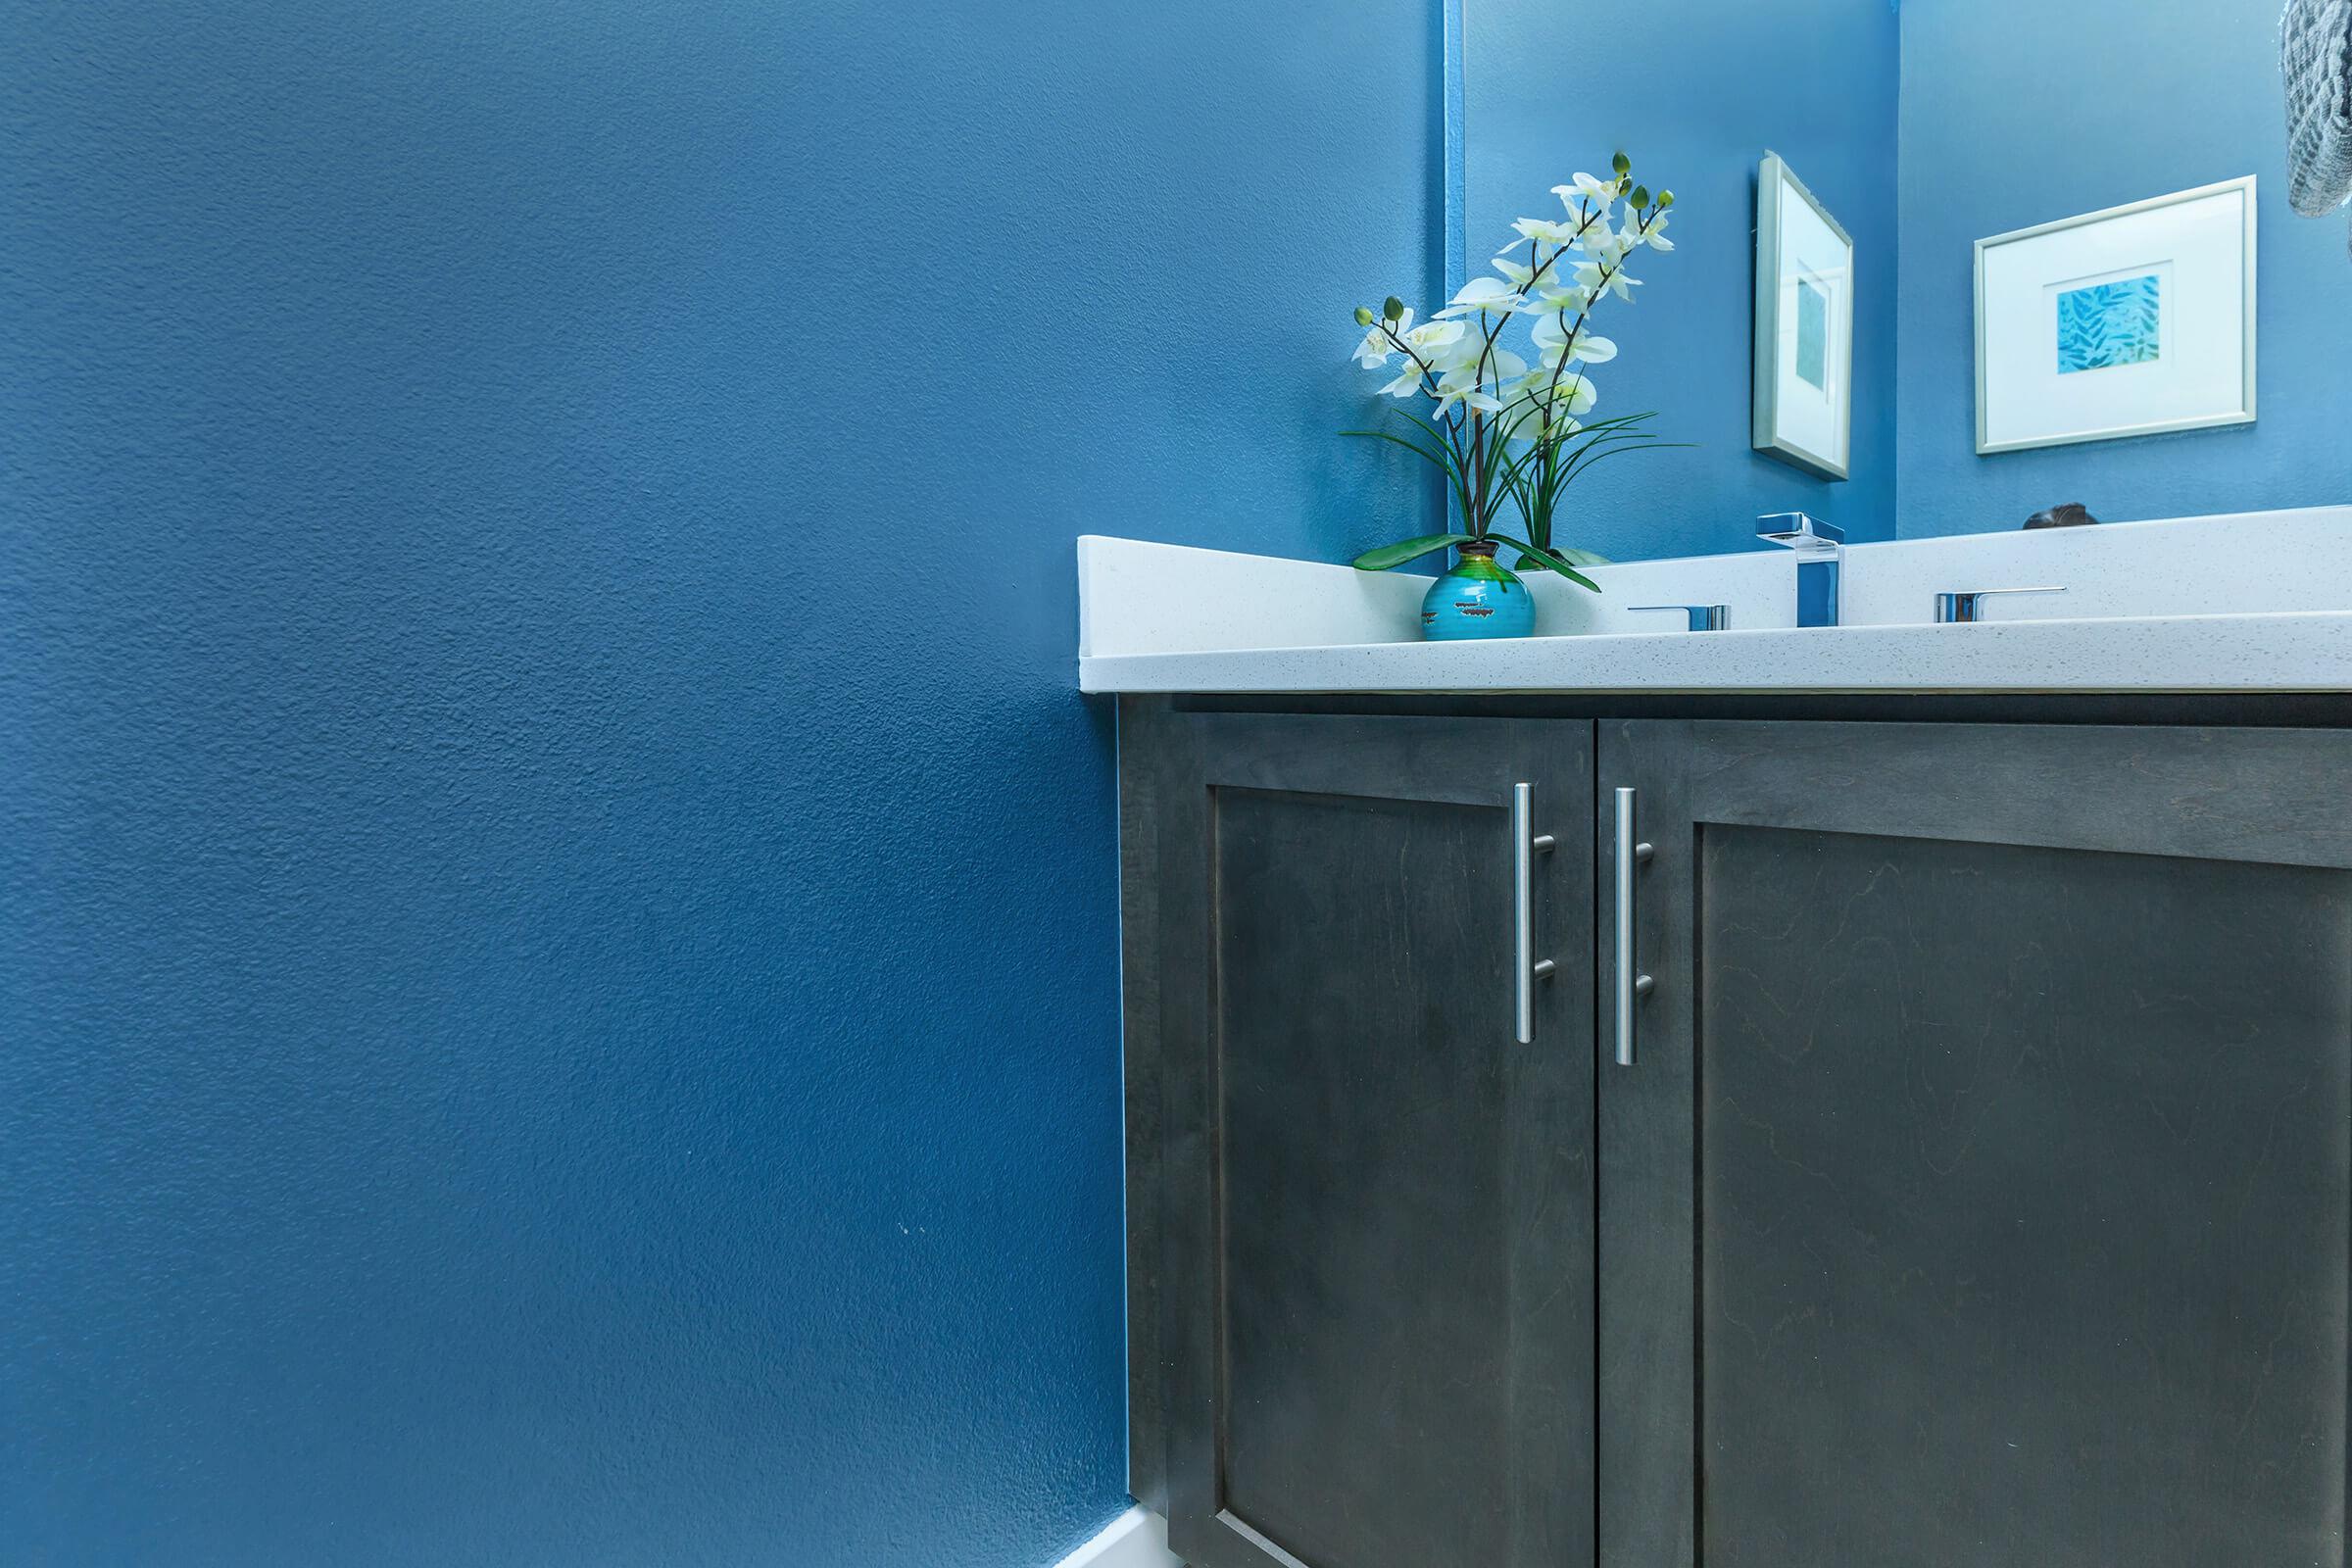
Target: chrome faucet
[[1820, 552]]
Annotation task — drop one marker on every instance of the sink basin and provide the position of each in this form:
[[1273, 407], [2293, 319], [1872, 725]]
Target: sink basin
[[2259, 563]]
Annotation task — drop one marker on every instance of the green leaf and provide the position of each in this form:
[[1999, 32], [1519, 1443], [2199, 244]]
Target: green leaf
[[1437, 434], [1441, 458], [1544, 558], [1454, 473], [1609, 449], [1387, 557]]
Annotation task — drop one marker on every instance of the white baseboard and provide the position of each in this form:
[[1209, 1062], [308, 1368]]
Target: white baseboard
[[1136, 1538]]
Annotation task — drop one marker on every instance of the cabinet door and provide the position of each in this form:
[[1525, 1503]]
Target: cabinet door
[[1377, 1286], [1979, 1190]]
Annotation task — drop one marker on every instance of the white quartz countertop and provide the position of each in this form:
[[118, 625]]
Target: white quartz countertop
[[2305, 651], [2253, 603]]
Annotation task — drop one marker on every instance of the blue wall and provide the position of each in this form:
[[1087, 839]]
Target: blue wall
[[1695, 91], [557, 919], [2002, 127]]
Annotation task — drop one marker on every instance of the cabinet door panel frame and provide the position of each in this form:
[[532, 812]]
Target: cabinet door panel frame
[[2280, 798], [1471, 762]]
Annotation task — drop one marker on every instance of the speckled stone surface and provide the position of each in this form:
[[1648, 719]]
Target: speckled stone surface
[[2252, 603], [2307, 650]]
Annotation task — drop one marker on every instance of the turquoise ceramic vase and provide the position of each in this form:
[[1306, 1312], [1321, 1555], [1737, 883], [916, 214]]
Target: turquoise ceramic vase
[[1477, 599]]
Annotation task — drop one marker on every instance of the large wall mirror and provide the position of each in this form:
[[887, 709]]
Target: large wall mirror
[[2018, 257]]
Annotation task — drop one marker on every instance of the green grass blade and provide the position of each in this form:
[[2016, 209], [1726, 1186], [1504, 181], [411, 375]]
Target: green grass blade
[[1544, 558]]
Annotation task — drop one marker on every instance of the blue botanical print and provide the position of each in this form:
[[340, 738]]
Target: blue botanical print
[[2108, 324], [1812, 335]]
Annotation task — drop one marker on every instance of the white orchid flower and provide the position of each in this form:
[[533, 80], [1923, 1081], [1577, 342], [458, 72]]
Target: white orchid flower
[[1550, 337], [1544, 231], [1484, 296], [1460, 354], [1437, 346], [1632, 238], [1463, 386], [1382, 340], [1457, 360], [1594, 349], [1441, 345], [1599, 192], [1590, 274], [1523, 419], [1544, 409], [1430, 336], [1551, 276], [1571, 298], [1609, 247], [1551, 231], [1573, 391], [1558, 342]]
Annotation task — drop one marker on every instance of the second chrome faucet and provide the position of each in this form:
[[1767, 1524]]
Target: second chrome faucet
[[1820, 553]]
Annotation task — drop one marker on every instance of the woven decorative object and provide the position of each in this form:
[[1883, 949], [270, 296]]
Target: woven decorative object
[[2314, 55]]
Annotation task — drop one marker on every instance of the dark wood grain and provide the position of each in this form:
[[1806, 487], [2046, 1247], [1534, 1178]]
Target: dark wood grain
[[1995, 1094], [2025, 1203], [1145, 758], [1377, 1239], [2229, 794], [1647, 1201]]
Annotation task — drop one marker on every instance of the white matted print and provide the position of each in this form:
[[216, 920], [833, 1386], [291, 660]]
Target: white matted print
[[1805, 395], [2130, 321]]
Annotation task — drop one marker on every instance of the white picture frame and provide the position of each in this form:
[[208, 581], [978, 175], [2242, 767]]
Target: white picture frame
[[2129, 322], [1804, 385]]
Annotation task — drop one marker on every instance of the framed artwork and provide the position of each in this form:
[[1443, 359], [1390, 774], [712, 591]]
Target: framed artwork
[[2130, 321], [1804, 397]]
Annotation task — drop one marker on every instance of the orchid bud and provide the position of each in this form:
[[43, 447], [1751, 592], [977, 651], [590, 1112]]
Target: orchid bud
[[1640, 197], [1665, 200], [1393, 309], [1363, 316], [1622, 164]]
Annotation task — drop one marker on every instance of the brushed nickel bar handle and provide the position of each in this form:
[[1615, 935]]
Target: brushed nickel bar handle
[[1631, 985], [1526, 968]]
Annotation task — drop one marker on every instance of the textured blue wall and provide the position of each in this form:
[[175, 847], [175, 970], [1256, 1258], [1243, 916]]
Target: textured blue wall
[[1695, 91], [2004, 126], [558, 995]]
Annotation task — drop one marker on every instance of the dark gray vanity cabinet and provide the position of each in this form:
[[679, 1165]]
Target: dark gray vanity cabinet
[[1980, 1189], [1372, 1282], [1974, 1188]]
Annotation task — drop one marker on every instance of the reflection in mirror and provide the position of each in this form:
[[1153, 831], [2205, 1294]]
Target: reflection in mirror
[[1942, 266]]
